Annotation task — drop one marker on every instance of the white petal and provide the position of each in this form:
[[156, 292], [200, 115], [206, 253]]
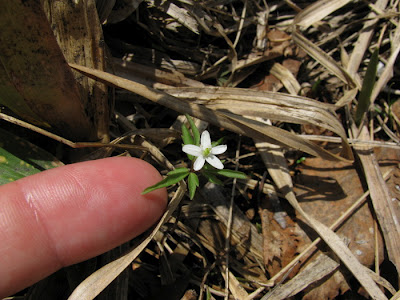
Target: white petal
[[198, 163], [192, 150], [219, 149], [205, 140], [215, 162]]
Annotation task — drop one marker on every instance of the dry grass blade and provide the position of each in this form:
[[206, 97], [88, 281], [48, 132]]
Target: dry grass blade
[[278, 136], [278, 169], [266, 105], [387, 73], [347, 98], [317, 11], [381, 200], [234, 286], [179, 14], [286, 77], [322, 266], [323, 58], [151, 76], [364, 40], [233, 122]]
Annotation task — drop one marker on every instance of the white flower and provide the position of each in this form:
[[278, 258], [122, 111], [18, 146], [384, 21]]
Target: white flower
[[205, 152]]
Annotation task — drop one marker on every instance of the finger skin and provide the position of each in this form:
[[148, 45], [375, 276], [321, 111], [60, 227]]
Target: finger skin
[[68, 214]]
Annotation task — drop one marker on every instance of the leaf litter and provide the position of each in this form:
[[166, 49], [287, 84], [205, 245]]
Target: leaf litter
[[285, 76]]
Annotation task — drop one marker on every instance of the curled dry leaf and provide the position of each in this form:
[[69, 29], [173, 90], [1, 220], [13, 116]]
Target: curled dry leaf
[[230, 121]]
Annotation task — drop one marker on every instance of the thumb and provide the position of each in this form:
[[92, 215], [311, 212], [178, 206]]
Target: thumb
[[68, 214]]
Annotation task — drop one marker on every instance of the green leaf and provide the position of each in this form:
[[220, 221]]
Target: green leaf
[[187, 138], [230, 173], [364, 99], [208, 294], [167, 181], [195, 130], [193, 183], [178, 171], [212, 178], [19, 158]]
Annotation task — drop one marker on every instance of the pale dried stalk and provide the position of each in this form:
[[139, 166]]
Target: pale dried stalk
[[364, 40], [355, 142], [320, 267], [381, 200], [229, 229], [317, 11], [266, 105]]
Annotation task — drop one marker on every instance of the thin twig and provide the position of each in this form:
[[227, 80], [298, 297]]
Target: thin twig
[[229, 225]]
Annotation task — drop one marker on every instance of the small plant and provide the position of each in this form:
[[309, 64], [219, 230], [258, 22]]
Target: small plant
[[203, 154]]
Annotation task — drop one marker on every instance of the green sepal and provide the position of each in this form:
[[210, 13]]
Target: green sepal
[[195, 130], [216, 143], [193, 183], [173, 177]]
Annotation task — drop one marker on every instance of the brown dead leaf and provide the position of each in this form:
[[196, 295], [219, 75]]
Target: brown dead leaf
[[282, 238], [77, 30], [324, 191], [35, 81]]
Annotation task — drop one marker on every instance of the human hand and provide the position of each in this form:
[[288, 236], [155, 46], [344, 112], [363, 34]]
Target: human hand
[[68, 214]]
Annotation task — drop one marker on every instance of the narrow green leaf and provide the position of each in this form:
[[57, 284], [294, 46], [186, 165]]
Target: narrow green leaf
[[208, 293], [193, 183], [178, 171], [208, 167], [367, 87], [187, 138], [195, 130], [230, 173], [167, 181], [212, 178]]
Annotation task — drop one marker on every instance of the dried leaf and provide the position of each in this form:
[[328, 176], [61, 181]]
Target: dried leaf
[[323, 58], [230, 121], [41, 79], [277, 167]]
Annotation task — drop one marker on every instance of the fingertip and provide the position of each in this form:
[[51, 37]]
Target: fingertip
[[68, 214]]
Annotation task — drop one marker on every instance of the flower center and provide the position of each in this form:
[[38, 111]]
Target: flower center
[[206, 152]]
